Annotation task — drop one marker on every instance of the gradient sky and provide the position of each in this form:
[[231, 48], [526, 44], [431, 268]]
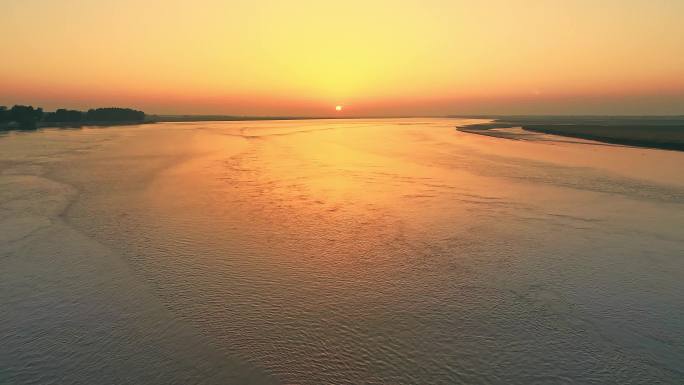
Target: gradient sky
[[375, 57]]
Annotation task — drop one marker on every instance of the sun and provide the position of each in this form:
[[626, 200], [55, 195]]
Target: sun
[[338, 108]]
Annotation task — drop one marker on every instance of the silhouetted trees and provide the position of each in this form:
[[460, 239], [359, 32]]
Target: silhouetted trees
[[24, 116], [27, 117], [115, 115], [63, 115]]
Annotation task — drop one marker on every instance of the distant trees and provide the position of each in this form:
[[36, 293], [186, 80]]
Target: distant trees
[[27, 117], [115, 115], [24, 116], [63, 115]]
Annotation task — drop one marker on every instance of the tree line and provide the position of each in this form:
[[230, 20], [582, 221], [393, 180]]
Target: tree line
[[30, 117]]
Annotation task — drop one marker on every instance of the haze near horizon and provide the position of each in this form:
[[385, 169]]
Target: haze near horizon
[[372, 58]]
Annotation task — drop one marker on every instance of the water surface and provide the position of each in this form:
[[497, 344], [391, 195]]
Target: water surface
[[345, 251]]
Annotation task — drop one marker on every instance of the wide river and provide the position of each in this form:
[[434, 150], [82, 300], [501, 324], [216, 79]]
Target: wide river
[[397, 251]]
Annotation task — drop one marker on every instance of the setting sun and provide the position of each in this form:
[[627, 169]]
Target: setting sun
[[338, 108], [427, 58]]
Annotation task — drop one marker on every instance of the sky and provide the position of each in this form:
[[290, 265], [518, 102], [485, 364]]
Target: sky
[[374, 57]]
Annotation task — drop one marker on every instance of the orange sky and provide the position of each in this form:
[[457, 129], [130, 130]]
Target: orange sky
[[382, 57]]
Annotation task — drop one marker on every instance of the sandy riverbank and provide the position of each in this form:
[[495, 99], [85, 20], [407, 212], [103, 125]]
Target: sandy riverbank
[[649, 132]]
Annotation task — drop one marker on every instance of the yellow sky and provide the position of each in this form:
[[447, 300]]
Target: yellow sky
[[391, 57]]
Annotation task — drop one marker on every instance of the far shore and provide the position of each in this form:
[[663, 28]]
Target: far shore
[[228, 118], [151, 119], [661, 132], [13, 126], [650, 132]]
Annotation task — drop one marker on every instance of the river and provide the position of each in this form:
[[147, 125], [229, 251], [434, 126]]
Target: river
[[394, 251]]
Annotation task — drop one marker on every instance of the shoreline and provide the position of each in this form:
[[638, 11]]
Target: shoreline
[[152, 119], [635, 132], [40, 125]]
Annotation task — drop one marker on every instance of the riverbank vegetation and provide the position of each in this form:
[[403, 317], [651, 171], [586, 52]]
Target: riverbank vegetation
[[28, 117]]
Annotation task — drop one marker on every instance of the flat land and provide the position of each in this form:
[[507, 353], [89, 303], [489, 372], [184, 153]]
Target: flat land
[[652, 132]]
